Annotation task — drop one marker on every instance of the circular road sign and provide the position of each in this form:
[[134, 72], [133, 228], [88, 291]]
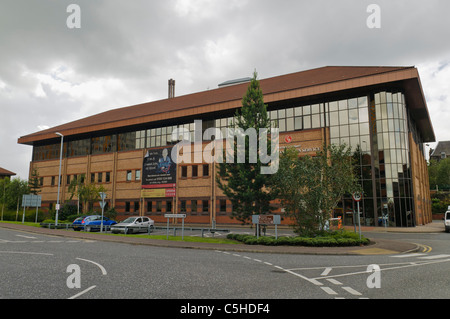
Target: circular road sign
[[357, 196]]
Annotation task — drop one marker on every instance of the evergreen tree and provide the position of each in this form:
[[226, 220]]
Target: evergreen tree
[[34, 182], [242, 181]]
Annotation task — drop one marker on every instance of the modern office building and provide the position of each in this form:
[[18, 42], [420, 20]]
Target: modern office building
[[380, 112]]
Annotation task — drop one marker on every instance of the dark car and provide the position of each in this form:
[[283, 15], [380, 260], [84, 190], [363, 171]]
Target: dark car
[[92, 223]]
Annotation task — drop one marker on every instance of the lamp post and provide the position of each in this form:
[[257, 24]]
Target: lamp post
[[59, 177]]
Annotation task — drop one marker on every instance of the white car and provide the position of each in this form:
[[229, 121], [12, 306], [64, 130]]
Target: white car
[[447, 220], [133, 225]]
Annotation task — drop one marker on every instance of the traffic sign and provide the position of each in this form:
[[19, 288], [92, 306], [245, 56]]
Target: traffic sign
[[357, 196]]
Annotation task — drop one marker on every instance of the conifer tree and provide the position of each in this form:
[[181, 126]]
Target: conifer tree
[[243, 183]]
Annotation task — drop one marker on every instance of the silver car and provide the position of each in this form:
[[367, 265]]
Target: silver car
[[133, 225]]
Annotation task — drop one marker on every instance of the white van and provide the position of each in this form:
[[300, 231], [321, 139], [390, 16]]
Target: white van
[[447, 220]]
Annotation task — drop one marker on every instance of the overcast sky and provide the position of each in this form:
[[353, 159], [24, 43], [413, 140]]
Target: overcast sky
[[125, 51]]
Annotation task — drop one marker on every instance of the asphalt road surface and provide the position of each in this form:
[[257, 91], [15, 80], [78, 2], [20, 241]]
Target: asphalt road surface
[[36, 266]]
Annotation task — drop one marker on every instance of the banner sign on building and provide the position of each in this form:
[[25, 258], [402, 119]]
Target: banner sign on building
[[159, 170], [158, 192]]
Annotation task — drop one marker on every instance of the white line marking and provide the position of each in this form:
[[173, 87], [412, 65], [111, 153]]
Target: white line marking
[[352, 291], [408, 255], [435, 257], [257, 260], [329, 291], [326, 271], [268, 263], [93, 262], [24, 252], [29, 237], [83, 292], [334, 281]]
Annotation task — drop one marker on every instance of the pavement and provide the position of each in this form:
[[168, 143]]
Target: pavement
[[378, 246]]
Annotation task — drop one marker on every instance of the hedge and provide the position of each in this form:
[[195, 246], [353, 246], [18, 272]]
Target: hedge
[[333, 240]]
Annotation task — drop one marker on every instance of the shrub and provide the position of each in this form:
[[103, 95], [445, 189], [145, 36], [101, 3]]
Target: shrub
[[333, 239]]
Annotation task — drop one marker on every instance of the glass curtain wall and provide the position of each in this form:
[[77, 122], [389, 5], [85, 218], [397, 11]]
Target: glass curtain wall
[[393, 169]]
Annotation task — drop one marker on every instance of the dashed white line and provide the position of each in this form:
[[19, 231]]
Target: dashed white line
[[326, 271], [329, 291], [334, 281], [352, 291]]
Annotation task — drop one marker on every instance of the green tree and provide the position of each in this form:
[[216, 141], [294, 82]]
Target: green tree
[[89, 193], [34, 182], [76, 188], [242, 181], [439, 174], [311, 187]]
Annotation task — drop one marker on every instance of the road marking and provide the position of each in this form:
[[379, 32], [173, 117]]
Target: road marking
[[334, 281], [257, 260], [435, 257], [24, 252], [352, 291], [29, 237], [326, 271], [425, 248], [329, 291], [409, 255], [82, 292], [97, 264]]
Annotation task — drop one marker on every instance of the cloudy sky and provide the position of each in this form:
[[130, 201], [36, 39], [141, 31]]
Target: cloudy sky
[[125, 51]]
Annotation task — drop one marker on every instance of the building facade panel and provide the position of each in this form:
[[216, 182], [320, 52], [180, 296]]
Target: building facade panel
[[371, 110]]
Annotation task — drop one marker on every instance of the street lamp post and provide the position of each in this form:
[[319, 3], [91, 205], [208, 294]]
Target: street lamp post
[[59, 178]]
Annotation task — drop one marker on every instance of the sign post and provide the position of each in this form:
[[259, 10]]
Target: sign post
[[31, 201], [102, 204], [357, 198], [266, 220], [182, 216]]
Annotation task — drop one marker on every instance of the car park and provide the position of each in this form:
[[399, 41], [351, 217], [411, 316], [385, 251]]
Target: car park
[[134, 224], [92, 223]]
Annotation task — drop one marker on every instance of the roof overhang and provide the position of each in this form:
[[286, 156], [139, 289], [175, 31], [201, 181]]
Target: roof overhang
[[327, 81]]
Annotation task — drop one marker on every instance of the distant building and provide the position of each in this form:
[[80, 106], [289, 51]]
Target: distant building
[[5, 173], [441, 152], [380, 109]]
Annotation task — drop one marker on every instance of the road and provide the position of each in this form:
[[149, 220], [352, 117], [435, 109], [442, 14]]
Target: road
[[37, 266]]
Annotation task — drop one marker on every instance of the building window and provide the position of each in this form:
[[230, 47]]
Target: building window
[[183, 171], [194, 171], [100, 177], [183, 206], [108, 177], [92, 177], [138, 175], [169, 206], [150, 206], [127, 207], [205, 206], [194, 206], [128, 176], [136, 207], [53, 180], [159, 206], [206, 170], [68, 179], [223, 205]]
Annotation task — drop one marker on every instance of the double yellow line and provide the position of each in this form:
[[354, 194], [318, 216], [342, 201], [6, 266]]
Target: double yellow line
[[425, 248]]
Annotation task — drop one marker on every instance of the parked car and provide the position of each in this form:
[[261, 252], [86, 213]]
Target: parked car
[[133, 225], [92, 222], [447, 220]]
